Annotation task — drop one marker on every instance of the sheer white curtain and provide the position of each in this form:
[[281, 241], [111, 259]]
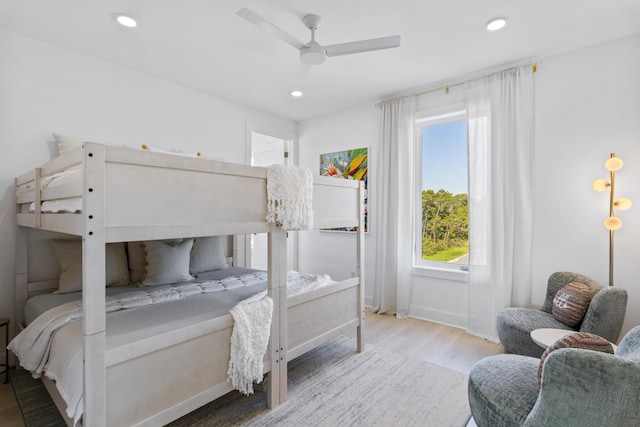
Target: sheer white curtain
[[500, 125], [394, 207]]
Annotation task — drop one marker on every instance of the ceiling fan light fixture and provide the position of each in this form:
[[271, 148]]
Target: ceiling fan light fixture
[[296, 93], [496, 24], [126, 21]]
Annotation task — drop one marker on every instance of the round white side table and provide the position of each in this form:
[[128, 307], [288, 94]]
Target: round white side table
[[546, 336]]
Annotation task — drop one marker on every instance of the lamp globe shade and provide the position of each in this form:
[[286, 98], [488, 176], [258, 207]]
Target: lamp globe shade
[[600, 185], [623, 203], [612, 223], [613, 164]]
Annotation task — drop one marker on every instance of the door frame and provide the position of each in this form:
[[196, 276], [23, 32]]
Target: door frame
[[243, 252]]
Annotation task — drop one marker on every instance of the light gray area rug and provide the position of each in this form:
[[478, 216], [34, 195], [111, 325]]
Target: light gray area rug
[[334, 386]]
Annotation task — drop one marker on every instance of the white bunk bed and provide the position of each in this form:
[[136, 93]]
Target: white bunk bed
[[130, 195]]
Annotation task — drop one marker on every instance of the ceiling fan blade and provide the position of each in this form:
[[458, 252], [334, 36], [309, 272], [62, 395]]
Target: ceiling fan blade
[[299, 73], [260, 22], [362, 46]]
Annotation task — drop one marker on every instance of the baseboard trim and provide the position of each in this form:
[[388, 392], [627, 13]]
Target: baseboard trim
[[437, 316], [449, 319]]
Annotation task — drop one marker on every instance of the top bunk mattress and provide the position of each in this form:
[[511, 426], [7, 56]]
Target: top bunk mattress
[[64, 205]]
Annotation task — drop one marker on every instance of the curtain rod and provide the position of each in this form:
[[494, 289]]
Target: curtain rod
[[534, 68]]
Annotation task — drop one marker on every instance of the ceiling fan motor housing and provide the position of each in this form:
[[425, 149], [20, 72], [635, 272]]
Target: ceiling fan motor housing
[[313, 54]]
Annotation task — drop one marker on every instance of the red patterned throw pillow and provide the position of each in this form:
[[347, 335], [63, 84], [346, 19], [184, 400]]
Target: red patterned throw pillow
[[581, 340], [571, 303]]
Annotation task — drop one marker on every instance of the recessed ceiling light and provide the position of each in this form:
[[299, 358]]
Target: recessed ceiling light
[[126, 21], [496, 23], [296, 93]]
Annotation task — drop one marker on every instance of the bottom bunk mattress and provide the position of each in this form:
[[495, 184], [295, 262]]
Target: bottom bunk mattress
[[53, 344], [228, 278]]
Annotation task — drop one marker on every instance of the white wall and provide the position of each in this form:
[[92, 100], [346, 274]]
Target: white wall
[[588, 105], [44, 88]]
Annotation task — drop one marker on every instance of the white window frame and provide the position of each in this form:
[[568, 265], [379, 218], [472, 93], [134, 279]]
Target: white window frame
[[427, 268]]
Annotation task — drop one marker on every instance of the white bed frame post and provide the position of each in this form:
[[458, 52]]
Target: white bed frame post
[[277, 285], [93, 295], [22, 275], [22, 285], [38, 198], [360, 267]]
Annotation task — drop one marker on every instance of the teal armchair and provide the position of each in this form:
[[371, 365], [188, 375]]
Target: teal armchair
[[578, 388], [604, 315]]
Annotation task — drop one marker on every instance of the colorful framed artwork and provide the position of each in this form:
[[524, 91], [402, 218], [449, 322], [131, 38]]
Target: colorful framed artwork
[[348, 164]]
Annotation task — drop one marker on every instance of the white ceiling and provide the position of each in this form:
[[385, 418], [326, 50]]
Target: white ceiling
[[204, 45]]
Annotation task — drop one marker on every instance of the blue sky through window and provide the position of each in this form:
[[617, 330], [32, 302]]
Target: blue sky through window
[[444, 157]]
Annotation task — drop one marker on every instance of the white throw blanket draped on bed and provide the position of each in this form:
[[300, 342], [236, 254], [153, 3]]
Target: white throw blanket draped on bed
[[32, 345], [290, 197], [249, 340]]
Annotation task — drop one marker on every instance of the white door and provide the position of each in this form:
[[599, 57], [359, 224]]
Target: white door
[[266, 150]]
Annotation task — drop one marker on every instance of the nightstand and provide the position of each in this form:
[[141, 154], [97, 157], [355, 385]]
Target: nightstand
[[4, 323]]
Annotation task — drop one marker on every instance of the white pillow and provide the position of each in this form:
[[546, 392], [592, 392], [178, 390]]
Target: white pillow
[[167, 263], [117, 269], [137, 267], [207, 255], [67, 143], [69, 255], [160, 150]]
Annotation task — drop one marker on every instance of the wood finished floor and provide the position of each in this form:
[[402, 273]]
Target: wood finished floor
[[10, 415], [439, 344]]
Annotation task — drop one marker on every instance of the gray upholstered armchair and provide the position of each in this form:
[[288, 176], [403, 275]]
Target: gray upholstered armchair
[[579, 388], [604, 315]]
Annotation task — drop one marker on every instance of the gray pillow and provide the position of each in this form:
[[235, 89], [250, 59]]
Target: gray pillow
[[166, 262], [137, 259], [207, 255]]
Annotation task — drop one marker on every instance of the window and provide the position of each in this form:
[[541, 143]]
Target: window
[[442, 220]]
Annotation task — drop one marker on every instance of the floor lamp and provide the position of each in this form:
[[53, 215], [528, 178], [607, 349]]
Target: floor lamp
[[612, 223]]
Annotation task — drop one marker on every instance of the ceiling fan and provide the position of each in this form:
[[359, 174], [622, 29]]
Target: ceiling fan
[[312, 53]]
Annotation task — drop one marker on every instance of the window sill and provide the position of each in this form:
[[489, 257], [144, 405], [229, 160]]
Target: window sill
[[441, 273]]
